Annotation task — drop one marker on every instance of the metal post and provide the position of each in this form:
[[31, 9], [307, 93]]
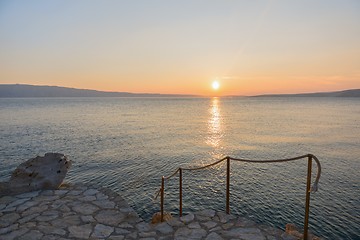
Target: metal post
[[180, 191], [162, 198], [228, 186], [307, 204]]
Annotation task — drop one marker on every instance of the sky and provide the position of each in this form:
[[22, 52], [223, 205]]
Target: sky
[[181, 47]]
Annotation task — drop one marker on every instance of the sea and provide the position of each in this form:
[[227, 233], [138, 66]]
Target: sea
[[128, 144]]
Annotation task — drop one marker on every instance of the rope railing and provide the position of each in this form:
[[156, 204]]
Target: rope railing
[[228, 159]]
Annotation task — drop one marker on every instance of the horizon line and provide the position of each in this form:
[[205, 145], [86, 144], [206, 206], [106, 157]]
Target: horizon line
[[182, 94]]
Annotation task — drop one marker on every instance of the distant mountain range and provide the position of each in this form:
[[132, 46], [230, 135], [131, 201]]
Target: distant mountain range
[[345, 93], [28, 91]]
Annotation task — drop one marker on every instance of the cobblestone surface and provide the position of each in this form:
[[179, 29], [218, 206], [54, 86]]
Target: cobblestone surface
[[83, 212]]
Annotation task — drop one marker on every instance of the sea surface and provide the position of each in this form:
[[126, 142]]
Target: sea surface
[[128, 144]]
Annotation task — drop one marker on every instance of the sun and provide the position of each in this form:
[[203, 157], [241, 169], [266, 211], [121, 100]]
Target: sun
[[215, 85]]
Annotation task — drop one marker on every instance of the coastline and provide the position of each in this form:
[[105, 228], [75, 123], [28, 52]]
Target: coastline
[[86, 212]]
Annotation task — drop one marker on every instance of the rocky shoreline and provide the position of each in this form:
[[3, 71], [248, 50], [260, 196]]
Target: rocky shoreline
[[86, 212]]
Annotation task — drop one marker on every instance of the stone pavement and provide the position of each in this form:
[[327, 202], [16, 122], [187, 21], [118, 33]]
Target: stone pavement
[[83, 212]]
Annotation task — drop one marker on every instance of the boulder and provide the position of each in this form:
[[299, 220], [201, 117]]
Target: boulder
[[156, 218], [292, 231], [47, 172]]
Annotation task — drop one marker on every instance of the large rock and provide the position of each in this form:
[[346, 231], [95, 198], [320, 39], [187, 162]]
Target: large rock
[[291, 232], [156, 218], [47, 172]]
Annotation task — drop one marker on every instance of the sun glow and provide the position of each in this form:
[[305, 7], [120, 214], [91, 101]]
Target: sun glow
[[215, 85]]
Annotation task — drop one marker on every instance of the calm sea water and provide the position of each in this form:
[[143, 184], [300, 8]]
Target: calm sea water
[[127, 144]]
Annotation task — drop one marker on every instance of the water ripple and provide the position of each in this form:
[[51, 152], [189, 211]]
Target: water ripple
[[128, 144]]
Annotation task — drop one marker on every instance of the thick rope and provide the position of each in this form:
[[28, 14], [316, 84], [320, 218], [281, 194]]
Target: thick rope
[[157, 194], [170, 176], [314, 188], [206, 166], [269, 161]]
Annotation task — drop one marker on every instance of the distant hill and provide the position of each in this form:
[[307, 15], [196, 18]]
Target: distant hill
[[29, 91], [345, 93]]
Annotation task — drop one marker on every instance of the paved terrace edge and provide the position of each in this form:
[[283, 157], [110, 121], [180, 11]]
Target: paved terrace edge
[[87, 212]]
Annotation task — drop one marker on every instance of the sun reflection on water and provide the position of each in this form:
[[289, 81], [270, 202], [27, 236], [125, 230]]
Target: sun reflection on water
[[215, 128]]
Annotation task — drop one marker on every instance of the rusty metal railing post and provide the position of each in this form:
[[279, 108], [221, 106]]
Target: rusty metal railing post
[[307, 204], [228, 185], [308, 183], [180, 191], [162, 198]]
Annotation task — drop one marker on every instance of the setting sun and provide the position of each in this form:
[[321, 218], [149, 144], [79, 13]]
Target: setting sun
[[215, 85]]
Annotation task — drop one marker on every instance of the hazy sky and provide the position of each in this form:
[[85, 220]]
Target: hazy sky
[[251, 47]]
